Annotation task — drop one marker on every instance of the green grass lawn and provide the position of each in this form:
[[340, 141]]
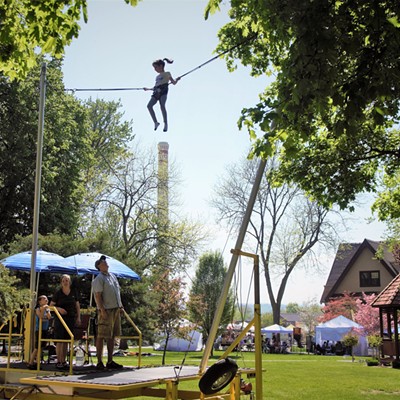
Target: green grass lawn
[[301, 376]]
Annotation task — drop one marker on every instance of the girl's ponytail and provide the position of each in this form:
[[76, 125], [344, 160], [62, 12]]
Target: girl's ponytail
[[168, 60]]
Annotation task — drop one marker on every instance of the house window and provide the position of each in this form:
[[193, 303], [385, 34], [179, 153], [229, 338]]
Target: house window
[[370, 278]]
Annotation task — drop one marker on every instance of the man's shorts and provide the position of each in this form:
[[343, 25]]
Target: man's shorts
[[109, 327]]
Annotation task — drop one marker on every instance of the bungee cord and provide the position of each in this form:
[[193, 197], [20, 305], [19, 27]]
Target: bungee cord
[[178, 78], [101, 89], [218, 55]]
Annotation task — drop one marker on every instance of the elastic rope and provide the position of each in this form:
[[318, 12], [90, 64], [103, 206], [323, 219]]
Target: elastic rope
[[180, 77], [219, 55], [177, 369], [101, 90]]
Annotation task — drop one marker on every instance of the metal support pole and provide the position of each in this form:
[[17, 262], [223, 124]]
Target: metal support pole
[[36, 206], [257, 329], [232, 267], [257, 322]]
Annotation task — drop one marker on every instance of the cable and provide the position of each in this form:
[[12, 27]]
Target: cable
[[179, 77], [101, 90], [219, 55], [179, 368]]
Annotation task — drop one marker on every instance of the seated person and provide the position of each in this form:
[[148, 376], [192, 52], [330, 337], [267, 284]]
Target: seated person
[[319, 349], [339, 350], [284, 347]]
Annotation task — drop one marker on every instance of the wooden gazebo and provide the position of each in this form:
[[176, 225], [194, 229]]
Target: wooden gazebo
[[388, 302]]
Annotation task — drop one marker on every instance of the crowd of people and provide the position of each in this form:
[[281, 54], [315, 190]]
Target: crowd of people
[[330, 347], [65, 300], [275, 345], [269, 345], [228, 337]]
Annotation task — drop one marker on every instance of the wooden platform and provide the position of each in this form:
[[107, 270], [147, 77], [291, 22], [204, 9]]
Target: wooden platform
[[159, 381], [128, 382], [117, 379]]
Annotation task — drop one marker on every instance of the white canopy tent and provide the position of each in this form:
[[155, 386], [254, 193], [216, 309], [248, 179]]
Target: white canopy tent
[[194, 341], [275, 328], [238, 326], [335, 329], [178, 344]]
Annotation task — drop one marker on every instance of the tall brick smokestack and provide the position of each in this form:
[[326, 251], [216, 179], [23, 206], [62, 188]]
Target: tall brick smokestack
[[162, 201]]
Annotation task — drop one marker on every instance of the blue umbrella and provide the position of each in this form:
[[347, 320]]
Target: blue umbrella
[[45, 262], [84, 263]]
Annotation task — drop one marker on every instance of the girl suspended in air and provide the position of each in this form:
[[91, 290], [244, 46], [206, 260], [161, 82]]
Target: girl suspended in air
[[160, 91]]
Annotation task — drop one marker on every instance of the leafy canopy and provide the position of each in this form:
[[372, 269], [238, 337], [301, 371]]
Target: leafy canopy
[[367, 316], [66, 152], [29, 27], [206, 290], [334, 101], [12, 297], [345, 305]]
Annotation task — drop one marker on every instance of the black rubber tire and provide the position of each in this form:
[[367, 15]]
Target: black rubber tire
[[218, 376]]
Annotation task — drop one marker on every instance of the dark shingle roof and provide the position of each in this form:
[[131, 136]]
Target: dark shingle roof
[[346, 255], [291, 317]]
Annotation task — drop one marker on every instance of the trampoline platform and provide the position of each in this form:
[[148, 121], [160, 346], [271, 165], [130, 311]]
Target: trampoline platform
[[159, 382], [117, 379]]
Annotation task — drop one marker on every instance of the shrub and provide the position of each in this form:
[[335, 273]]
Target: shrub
[[396, 364], [374, 341], [350, 340]]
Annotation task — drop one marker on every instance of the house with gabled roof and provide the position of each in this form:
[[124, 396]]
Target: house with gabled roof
[[357, 269], [290, 319]]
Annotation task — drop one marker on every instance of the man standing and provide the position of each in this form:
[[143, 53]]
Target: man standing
[[109, 307]]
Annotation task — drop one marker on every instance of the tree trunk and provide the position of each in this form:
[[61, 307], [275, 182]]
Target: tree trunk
[[165, 349], [276, 312]]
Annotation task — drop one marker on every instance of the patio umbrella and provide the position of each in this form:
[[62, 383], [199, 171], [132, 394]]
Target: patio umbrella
[[45, 262], [84, 263]]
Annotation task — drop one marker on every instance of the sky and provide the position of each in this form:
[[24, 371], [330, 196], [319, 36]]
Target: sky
[[116, 48]]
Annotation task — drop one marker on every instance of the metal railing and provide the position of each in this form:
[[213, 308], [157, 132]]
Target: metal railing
[[9, 337]]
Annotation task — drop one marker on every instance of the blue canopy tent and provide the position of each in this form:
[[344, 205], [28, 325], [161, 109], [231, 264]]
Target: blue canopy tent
[[45, 262], [84, 263]]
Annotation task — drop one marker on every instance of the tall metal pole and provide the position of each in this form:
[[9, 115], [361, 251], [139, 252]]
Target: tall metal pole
[[36, 206], [232, 266], [256, 321], [257, 329]]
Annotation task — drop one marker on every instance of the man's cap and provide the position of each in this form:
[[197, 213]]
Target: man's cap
[[97, 263]]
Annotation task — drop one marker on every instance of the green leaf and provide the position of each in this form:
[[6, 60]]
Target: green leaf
[[49, 45], [211, 8], [394, 21]]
